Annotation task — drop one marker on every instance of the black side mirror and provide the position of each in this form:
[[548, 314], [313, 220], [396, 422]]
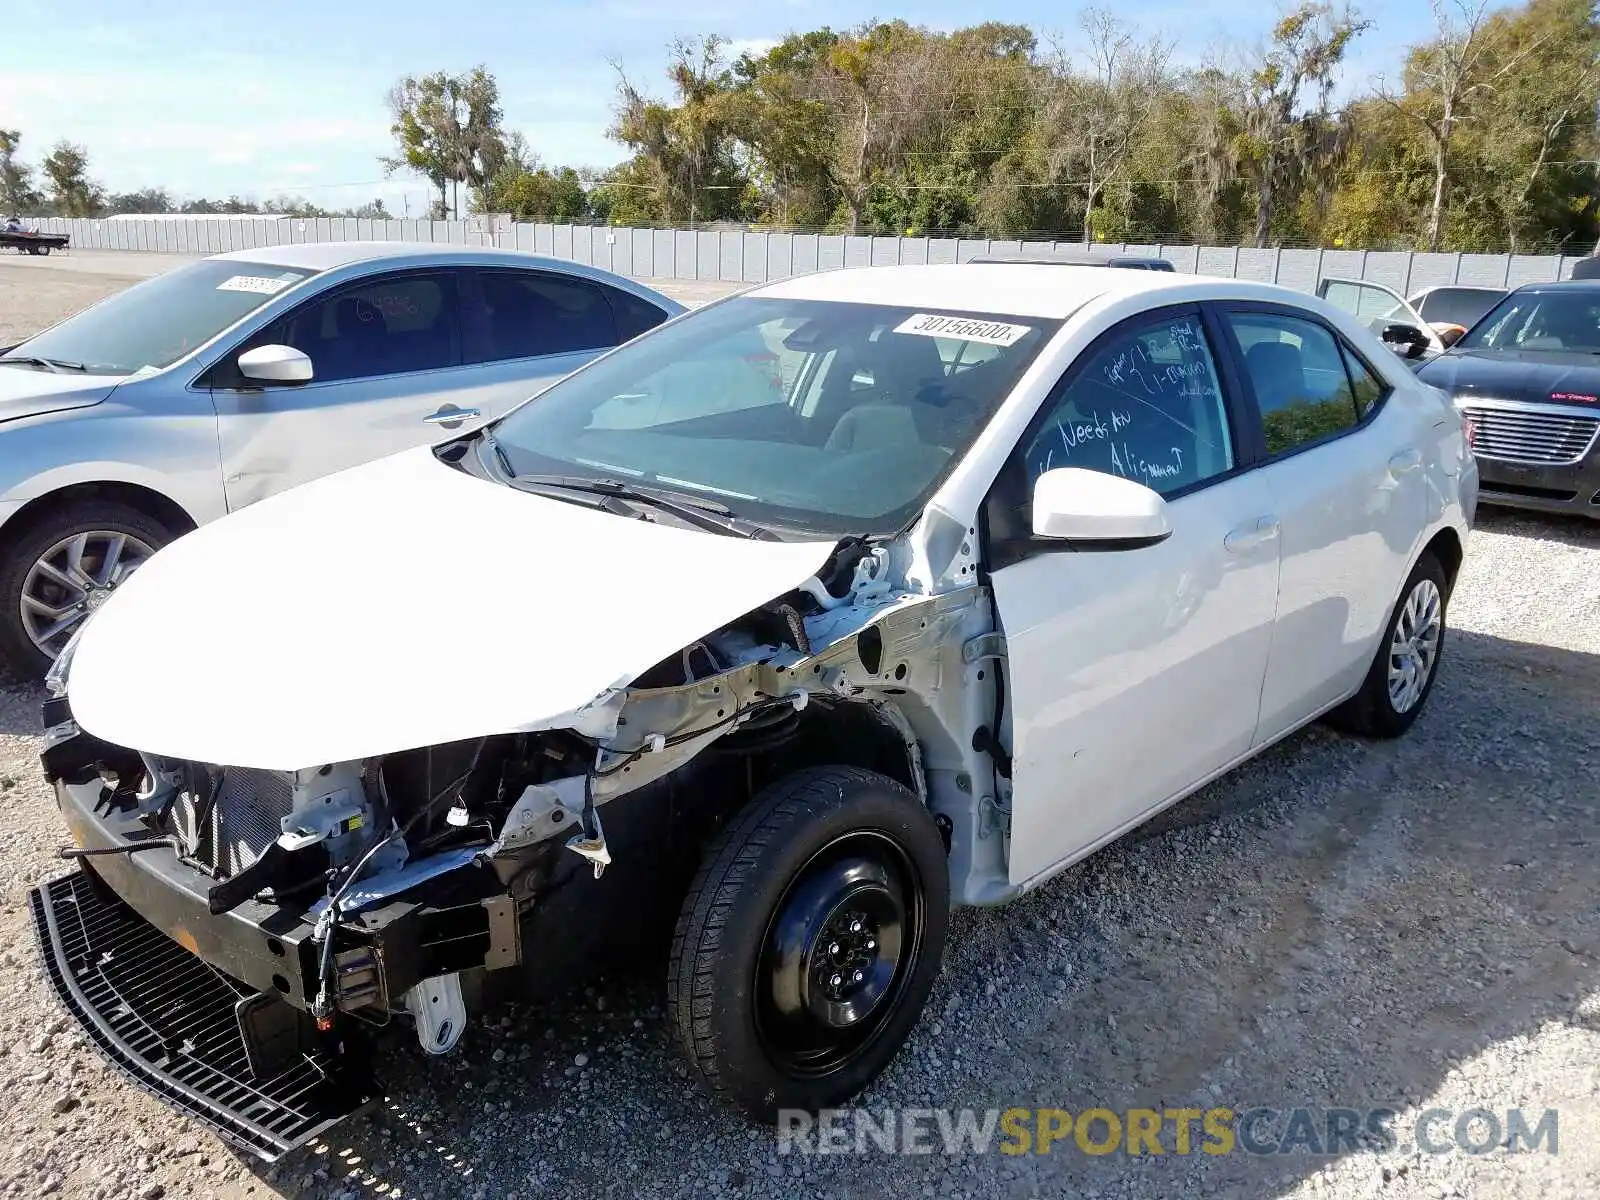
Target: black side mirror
[[1405, 340]]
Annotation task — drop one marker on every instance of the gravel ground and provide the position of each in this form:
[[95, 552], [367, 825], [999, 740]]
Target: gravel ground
[[1407, 925]]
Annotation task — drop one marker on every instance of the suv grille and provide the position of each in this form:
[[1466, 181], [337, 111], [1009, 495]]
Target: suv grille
[[246, 819], [1530, 435]]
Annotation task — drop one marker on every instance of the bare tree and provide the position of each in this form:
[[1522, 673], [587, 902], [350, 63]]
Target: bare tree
[[1443, 82], [1284, 104], [1095, 114]]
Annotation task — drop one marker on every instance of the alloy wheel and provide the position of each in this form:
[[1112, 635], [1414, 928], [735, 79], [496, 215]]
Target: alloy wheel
[[72, 579]]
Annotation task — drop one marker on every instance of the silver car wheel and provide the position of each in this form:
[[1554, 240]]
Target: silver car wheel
[[72, 579], [1414, 649]]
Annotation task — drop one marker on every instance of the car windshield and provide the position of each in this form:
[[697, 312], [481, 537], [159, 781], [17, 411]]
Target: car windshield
[[155, 323], [1553, 322], [1457, 306], [824, 417]]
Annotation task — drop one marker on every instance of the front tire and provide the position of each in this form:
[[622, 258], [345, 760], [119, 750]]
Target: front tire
[[1407, 661], [61, 568], [809, 941]]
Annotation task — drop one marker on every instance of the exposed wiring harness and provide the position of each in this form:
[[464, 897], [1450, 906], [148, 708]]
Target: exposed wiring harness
[[322, 933]]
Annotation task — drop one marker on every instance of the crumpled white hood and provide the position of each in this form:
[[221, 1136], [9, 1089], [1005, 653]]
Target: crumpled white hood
[[30, 391], [396, 605]]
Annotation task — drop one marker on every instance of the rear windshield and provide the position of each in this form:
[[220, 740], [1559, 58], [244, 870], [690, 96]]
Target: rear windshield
[[808, 415], [1457, 306], [155, 323]]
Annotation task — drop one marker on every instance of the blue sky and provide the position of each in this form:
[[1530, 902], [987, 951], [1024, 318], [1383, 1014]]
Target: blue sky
[[288, 96]]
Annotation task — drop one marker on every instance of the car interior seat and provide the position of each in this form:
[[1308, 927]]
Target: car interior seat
[[1277, 372], [903, 368], [360, 337]]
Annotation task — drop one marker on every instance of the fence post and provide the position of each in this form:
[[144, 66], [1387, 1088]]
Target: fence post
[[1411, 259], [1455, 271], [1277, 258]]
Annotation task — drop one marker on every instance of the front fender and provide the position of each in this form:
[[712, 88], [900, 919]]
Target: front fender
[[174, 456]]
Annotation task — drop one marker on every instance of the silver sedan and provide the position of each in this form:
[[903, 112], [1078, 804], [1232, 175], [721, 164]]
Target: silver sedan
[[202, 390]]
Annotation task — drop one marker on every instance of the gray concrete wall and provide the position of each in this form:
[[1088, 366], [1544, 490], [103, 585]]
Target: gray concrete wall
[[739, 256]]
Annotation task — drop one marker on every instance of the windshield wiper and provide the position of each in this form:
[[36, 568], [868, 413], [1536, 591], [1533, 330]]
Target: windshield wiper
[[57, 365], [501, 458], [694, 510]]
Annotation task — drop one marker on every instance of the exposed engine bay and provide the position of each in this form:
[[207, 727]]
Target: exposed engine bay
[[354, 892]]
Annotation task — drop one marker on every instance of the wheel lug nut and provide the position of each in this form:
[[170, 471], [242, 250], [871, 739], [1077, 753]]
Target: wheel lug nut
[[857, 977], [855, 926], [835, 981], [833, 947], [871, 945]]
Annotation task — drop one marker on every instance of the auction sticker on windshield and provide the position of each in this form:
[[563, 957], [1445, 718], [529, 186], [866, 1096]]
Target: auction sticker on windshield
[[264, 284], [970, 329]]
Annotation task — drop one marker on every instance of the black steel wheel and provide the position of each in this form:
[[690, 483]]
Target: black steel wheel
[[809, 941]]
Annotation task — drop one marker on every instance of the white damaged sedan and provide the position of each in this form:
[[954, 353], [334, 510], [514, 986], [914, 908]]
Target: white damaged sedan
[[773, 633]]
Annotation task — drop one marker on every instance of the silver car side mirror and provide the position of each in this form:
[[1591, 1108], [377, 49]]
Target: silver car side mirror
[[276, 364]]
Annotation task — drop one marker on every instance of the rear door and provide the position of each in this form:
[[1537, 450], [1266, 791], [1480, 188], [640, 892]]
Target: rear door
[[1377, 306], [386, 352], [1342, 456], [523, 330]]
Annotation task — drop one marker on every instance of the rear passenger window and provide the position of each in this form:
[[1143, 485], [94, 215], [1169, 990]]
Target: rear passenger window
[[1297, 371], [1367, 387], [633, 315], [528, 314], [1147, 406], [390, 326]]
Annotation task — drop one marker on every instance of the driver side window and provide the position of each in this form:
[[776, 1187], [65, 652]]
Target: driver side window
[[1146, 405]]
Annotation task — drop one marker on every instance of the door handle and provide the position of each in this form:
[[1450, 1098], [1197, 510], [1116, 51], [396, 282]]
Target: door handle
[[1251, 534], [451, 416], [1406, 460]]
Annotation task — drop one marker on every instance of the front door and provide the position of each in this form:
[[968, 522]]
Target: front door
[[1132, 675], [388, 374]]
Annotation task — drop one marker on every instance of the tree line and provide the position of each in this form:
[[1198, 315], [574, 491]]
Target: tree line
[[63, 187], [1486, 140]]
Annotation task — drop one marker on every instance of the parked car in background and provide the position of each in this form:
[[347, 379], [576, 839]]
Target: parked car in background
[[1587, 268], [202, 390], [1382, 309], [1526, 379], [1452, 309], [1128, 262], [997, 563]]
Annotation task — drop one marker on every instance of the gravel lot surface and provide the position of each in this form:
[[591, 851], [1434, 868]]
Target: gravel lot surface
[[1408, 925]]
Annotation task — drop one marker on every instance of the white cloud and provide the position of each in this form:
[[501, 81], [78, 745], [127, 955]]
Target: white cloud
[[752, 46]]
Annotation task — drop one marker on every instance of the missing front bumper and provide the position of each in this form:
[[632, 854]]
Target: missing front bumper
[[178, 1027]]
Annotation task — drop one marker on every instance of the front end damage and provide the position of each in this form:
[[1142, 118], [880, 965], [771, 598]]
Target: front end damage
[[232, 936]]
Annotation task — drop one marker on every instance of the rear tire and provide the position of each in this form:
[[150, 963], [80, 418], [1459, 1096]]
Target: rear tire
[[809, 941], [106, 539], [1407, 660]]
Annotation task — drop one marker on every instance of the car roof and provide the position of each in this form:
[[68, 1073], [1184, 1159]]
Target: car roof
[[329, 256], [325, 256], [1565, 285], [1074, 260], [1019, 289]]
